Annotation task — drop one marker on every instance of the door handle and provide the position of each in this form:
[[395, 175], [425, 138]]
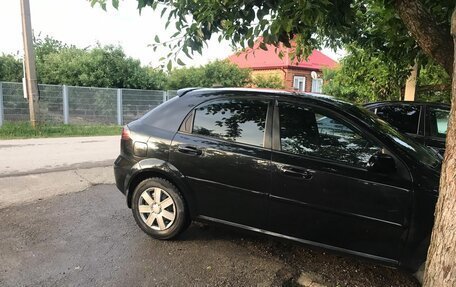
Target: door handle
[[190, 149], [297, 172]]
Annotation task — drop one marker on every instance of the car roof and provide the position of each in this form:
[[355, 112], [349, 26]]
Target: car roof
[[385, 103], [284, 93], [169, 115], [200, 90]]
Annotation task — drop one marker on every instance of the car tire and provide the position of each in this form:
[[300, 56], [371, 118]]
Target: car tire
[[159, 208]]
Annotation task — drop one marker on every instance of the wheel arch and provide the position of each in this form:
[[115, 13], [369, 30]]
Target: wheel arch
[[166, 171]]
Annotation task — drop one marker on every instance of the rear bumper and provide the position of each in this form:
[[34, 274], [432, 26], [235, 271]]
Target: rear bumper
[[122, 172]]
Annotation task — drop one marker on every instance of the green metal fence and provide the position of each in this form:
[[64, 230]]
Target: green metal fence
[[79, 105]]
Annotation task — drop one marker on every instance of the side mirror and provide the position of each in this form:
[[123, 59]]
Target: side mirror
[[381, 163]]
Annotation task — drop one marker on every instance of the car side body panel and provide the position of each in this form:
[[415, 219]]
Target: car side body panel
[[230, 181], [388, 218]]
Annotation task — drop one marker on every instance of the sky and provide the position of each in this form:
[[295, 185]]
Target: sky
[[76, 22]]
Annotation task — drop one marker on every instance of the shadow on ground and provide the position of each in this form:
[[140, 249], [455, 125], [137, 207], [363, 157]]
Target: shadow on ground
[[89, 238], [331, 269]]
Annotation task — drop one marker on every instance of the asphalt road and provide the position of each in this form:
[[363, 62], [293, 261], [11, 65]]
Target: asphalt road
[[26, 156], [89, 238]]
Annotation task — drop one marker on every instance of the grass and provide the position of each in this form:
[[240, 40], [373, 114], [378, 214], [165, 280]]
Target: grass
[[22, 130]]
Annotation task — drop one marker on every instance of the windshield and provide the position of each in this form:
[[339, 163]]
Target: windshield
[[414, 149]]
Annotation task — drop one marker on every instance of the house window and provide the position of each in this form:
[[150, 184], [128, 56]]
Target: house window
[[317, 85], [299, 83]]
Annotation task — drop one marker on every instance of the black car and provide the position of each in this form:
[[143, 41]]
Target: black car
[[425, 122], [301, 167]]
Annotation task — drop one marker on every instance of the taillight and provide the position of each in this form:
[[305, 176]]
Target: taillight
[[126, 133]]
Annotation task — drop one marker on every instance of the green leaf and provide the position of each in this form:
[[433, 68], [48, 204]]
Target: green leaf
[[180, 62], [185, 50], [275, 28], [263, 46], [249, 33], [157, 40], [141, 4], [250, 42], [169, 66], [115, 4], [163, 12], [289, 25]]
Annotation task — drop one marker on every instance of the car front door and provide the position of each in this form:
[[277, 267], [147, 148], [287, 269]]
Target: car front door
[[224, 152], [322, 192]]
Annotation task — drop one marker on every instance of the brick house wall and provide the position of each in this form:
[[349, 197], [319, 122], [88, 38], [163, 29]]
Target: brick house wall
[[288, 75], [292, 72]]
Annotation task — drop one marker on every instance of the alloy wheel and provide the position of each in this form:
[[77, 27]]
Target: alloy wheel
[[157, 208]]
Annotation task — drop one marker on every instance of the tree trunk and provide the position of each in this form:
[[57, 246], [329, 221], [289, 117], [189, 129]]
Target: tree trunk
[[441, 261], [434, 39]]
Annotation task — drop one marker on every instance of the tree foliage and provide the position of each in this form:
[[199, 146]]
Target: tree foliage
[[106, 66], [218, 73], [10, 69], [267, 81], [363, 77], [372, 24], [47, 45], [434, 84], [101, 66]]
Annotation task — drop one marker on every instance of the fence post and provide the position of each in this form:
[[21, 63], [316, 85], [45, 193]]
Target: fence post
[[65, 105], [1, 104], [165, 96], [119, 107]]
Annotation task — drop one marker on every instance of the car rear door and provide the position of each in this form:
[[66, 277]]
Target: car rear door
[[436, 127], [322, 192], [223, 150], [405, 117]]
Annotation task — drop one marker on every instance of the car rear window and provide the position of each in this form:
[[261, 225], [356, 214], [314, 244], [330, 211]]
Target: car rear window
[[236, 120]]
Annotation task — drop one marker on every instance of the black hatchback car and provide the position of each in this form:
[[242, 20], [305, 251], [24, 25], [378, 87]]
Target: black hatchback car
[[302, 167], [425, 122]]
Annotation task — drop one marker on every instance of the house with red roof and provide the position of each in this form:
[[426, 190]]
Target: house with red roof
[[304, 75]]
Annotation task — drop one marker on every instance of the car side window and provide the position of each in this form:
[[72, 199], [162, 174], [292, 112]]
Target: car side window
[[405, 118], [237, 120], [438, 122], [304, 131]]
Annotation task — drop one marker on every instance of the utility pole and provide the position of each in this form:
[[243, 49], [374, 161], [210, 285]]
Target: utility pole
[[29, 62]]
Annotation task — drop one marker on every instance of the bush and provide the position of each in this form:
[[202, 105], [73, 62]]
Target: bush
[[267, 81], [220, 73], [10, 69]]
